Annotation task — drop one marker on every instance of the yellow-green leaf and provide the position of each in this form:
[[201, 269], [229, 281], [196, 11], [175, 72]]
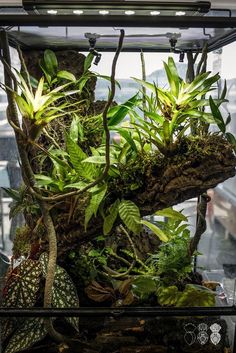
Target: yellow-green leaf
[[161, 235]]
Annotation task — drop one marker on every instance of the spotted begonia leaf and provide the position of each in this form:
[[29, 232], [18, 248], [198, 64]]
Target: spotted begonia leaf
[[64, 294], [22, 285], [20, 291], [7, 326], [32, 331]]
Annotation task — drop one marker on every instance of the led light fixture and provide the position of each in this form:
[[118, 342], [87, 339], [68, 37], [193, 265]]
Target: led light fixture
[[129, 12], [154, 13], [180, 13], [52, 12], [78, 12], [116, 7], [104, 12]]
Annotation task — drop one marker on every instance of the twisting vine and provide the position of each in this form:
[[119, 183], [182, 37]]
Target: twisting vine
[[27, 173], [204, 198]]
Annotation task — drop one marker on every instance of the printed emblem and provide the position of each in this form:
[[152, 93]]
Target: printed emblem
[[215, 337], [202, 336], [189, 336]]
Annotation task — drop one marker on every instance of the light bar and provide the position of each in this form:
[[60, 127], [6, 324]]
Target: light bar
[[116, 8]]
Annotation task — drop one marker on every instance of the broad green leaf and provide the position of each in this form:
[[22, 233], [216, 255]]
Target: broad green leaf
[[172, 76], [94, 151], [76, 129], [228, 120], [47, 119], [64, 294], [207, 117], [130, 215], [14, 194], [168, 295], [95, 160], [161, 235], [22, 285], [209, 82], [56, 160], [76, 154], [154, 116], [98, 160], [24, 87], [127, 136], [181, 228], [20, 291], [197, 82], [82, 82], [24, 107], [143, 286], [110, 219], [89, 171], [43, 180], [224, 91], [7, 327], [171, 213], [66, 75], [217, 115], [121, 111], [38, 94], [231, 138], [88, 62], [157, 141], [194, 295], [44, 69], [50, 61], [79, 185], [145, 84], [30, 332], [94, 204]]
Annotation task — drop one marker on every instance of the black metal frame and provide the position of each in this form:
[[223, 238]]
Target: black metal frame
[[118, 21], [116, 312], [227, 38], [121, 21]]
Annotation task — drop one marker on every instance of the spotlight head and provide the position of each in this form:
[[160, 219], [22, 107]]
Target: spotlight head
[[97, 58], [181, 57]]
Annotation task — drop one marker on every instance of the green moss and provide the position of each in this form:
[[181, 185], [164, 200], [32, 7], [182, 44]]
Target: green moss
[[22, 239]]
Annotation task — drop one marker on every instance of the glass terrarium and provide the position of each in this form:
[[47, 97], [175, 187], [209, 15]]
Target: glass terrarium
[[117, 167]]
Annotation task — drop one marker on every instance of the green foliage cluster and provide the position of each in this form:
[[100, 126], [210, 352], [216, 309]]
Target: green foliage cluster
[[192, 295], [154, 131], [169, 114]]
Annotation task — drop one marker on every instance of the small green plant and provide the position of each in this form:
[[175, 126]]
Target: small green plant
[[172, 111], [192, 295]]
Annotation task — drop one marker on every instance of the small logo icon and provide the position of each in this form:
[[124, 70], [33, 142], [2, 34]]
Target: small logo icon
[[215, 337], [202, 336], [189, 336]]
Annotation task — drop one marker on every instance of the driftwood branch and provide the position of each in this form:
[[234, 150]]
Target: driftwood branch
[[200, 224], [144, 77], [201, 67]]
